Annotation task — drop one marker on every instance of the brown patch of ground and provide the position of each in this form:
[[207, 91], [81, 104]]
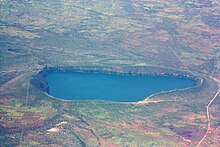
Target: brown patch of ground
[[163, 35], [171, 109], [105, 143], [192, 117], [194, 134]]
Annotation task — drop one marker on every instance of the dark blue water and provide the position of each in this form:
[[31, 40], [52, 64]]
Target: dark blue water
[[113, 87]]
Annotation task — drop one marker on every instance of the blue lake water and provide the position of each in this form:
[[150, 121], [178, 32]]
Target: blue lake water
[[113, 87]]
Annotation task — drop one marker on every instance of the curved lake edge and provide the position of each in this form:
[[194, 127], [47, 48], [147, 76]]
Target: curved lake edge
[[39, 80]]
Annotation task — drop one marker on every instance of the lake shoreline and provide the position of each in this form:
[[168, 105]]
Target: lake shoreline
[[40, 82], [132, 70]]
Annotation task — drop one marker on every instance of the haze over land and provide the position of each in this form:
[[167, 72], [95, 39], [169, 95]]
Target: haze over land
[[140, 36]]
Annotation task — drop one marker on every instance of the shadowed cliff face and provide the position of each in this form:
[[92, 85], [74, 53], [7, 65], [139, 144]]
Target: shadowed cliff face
[[39, 81]]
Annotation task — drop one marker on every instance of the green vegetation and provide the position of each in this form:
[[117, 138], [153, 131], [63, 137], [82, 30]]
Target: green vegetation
[[122, 36]]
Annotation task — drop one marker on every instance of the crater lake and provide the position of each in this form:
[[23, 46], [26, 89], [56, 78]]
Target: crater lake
[[112, 87]]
